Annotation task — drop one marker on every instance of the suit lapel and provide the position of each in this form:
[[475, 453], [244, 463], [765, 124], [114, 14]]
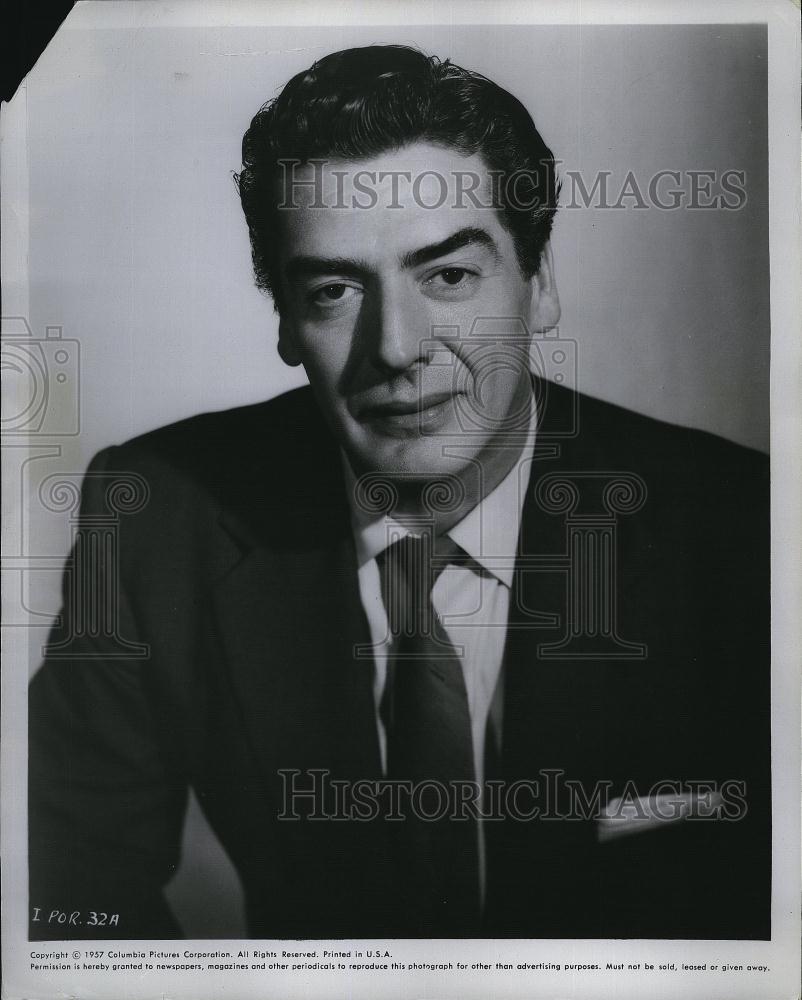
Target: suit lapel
[[554, 709], [559, 712], [555, 724], [290, 615]]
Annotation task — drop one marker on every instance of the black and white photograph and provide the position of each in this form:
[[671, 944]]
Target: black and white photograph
[[401, 446]]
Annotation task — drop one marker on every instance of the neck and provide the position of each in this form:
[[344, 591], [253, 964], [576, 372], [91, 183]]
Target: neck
[[464, 488], [447, 500]]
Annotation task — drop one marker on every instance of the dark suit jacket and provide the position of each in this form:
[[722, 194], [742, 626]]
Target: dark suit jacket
[[240, 575]]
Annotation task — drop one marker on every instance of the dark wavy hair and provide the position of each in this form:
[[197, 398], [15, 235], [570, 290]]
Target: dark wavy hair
[[358, 103]]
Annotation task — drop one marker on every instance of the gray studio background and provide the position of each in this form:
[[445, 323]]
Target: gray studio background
[[139, 252]]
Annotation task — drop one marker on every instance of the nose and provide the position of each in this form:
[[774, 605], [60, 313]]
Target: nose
[[399, 329]]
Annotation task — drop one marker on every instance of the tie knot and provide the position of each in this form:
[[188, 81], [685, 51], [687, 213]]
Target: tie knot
[[409, 569], [420, 558]]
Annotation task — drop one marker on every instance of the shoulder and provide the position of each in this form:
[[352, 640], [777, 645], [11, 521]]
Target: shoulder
[[607, 436], [702, 492], [227, 450], [270, 465], [284, 422]]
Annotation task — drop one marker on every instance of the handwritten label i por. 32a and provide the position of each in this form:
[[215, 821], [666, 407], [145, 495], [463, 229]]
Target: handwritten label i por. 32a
[[76, 918]]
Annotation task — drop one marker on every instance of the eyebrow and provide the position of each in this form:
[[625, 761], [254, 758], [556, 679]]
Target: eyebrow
[[470, 236], [307, 266]]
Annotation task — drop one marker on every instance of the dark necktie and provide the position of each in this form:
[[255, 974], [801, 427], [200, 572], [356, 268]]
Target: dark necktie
[[429, 747]]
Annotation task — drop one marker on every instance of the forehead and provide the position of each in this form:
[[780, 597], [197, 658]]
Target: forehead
[[388, 204]]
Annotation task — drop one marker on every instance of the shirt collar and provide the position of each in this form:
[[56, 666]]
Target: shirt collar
[[488, 533]]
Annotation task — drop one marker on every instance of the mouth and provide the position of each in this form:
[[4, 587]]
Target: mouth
[[408, 414]]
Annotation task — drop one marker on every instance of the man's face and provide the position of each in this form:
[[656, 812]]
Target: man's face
[[385, 306]]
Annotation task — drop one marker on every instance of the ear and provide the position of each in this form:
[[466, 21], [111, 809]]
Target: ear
[[286, 344], [545, 304]]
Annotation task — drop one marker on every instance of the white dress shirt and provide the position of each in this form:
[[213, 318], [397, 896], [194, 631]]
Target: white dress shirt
[[472, 605]]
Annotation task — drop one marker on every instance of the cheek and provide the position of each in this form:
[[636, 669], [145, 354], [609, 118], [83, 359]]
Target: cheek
[[502, 394], [323, 358], [494, 371]]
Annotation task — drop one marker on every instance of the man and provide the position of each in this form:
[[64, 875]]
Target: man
[[442, 648]]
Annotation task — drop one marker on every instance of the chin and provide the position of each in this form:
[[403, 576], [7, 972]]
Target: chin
[[419, 457]]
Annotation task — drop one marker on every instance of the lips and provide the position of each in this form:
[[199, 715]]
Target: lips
[[409, 417], [404, 407]]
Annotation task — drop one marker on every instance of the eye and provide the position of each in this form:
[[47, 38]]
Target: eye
[[449, 281], [453, 275], [333, 294]]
